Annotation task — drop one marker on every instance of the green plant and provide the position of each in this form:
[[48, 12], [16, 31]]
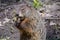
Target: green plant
[[37, 4]]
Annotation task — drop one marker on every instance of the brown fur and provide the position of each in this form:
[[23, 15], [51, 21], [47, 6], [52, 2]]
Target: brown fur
[[25, 30]]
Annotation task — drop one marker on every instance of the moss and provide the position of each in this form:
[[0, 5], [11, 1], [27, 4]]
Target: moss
[[37, 4]]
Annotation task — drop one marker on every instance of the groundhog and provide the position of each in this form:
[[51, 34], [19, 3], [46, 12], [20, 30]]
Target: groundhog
[[29, 24]]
